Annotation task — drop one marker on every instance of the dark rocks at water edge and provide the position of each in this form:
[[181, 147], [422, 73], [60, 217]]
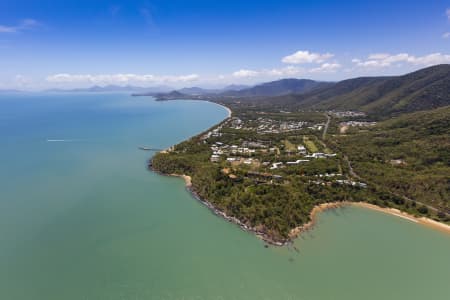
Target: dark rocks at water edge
[[262, 235], [236, 221]]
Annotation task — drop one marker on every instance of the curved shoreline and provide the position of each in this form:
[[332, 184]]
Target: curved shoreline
[[188, 183], [398, 213], [225, 119], [227, 109], [296, 232]]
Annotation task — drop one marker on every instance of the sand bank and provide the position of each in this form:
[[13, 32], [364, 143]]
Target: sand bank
[[187, 179], [313, 215], [392, 211]]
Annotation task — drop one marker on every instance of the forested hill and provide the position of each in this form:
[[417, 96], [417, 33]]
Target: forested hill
[[378, 96], [267, 89], [408, 155], [280, 87]]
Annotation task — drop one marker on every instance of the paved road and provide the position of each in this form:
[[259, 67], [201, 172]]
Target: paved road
[[326, 126]]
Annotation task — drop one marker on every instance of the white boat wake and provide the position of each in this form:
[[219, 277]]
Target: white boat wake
[[63, 140]]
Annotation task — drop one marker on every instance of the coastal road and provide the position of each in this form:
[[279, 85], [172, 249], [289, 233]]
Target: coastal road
[[350, 168], [326, 126]]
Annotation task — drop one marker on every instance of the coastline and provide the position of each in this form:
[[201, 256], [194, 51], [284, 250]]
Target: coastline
[[187, 179], [396, 212], [228, 110], [188, 183], [167, 150], [296, 232], [203, 100]]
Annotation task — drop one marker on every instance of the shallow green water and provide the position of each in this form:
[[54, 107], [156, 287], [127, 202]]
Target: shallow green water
[[84, 219]]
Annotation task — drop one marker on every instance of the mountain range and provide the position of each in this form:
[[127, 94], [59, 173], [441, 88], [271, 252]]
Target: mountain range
[[280, 87], [424, 89], [273, 88], [115, 88], [380, 97]]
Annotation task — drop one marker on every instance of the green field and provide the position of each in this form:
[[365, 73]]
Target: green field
[[310, 144], [289, 146]]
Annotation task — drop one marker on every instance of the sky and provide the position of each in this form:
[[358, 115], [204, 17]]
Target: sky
[[67, 44]]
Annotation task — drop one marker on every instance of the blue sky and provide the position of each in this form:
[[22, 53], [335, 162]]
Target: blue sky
[[212, 43]]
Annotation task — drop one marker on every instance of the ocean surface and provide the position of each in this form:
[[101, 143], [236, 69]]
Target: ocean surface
[[82, 218]]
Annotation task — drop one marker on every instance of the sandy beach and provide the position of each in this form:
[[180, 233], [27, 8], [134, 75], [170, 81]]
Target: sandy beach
[[187, 179], [228, 110], [392, 211], [421, 220], [296, 232]]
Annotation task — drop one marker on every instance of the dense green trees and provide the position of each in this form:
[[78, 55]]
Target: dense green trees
[[405, 161], [407, 156]]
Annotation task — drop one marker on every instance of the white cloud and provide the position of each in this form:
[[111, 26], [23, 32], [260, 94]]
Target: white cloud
[[378, 56], [23, 25], [276, 72], [183, 78], [243, 73], [447, 12], [368, 63], [301, 57], [446, 35], [326, 68], [432, 59], [119, 79], [286, 71], [382, 60]]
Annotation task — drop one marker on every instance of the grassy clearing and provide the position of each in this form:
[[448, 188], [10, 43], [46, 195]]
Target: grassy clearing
[[289, 146], [310, 144]]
